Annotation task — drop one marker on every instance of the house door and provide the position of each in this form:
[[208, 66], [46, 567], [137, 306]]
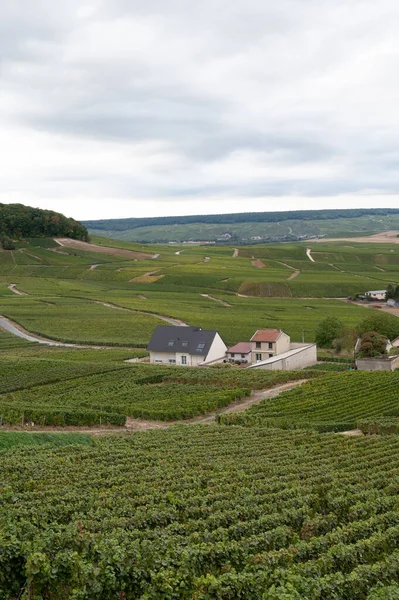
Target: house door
[[184, 360]]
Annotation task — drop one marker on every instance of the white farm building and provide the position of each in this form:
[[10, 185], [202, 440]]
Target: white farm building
[[187, 346]]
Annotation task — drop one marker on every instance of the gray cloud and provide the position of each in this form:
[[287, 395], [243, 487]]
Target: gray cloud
[[129, 100]]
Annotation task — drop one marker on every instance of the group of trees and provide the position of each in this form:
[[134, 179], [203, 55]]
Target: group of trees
[[392, 292], [19, 221], [374, 332]]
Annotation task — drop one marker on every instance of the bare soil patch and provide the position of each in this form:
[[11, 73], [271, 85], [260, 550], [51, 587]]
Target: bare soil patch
[[390, 310], [258, 263], [146, 279], [309, 255], [14, 289], [378, 238], [293, 275], [352, 433], [86, 247], [381, 307]]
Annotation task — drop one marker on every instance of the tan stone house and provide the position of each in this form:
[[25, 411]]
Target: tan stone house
[[267, 343]]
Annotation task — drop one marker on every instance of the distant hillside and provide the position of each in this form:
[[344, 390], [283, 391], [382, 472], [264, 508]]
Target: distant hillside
[[19, 221], [249, 228]]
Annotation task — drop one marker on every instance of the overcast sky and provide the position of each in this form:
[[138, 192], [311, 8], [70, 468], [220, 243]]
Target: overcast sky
[[124, 108]]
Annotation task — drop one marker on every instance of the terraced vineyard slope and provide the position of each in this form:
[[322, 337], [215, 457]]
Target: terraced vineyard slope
[[334, 402]]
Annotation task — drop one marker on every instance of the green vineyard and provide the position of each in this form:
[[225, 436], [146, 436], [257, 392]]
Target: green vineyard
[[93, 391], [219, 513], [334, 402], [10, 439], [265, 504]]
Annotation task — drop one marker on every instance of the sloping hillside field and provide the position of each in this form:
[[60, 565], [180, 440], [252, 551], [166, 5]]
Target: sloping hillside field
[[80, 296], [238, 488], [337, 402], [249, 227], [69, 387]]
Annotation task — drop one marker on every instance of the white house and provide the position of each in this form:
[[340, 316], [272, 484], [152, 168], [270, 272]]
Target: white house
[[376, 295], [188, 346]]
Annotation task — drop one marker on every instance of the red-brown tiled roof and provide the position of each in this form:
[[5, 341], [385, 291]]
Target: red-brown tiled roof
[[241, 348], [266, 335]]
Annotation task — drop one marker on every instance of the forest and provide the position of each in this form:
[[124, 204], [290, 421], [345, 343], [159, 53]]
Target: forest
[[19, 221]]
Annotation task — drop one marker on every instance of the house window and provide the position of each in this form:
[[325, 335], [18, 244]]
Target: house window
[[258, 357], [184, 360], [270, 346], [258, 344], [172, 361], [171, 343], [270, 355], [200, 347], [232, 354], [184, 344], [242, 355]]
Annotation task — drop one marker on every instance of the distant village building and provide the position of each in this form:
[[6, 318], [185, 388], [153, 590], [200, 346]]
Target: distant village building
[[376, 295], [187, 346]]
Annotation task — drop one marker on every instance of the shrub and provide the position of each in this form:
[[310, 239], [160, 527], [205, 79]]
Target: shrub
[[372, 344], [327, 331]]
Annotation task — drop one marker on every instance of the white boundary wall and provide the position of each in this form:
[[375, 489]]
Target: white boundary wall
[[298, 357]]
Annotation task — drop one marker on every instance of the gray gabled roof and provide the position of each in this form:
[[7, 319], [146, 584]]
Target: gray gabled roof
[[190, 340]]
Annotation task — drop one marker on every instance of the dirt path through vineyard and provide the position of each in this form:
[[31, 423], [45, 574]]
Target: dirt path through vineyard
[[145, 424], [256, 397]]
